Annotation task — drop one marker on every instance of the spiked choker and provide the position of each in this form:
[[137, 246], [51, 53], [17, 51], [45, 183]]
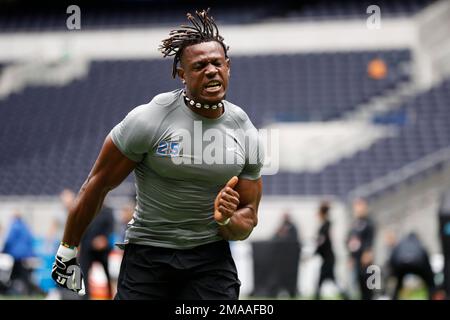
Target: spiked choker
[[201, 105]]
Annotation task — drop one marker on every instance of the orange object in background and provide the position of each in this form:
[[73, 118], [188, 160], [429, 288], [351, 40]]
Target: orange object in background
[[377, 69], [98, 284]]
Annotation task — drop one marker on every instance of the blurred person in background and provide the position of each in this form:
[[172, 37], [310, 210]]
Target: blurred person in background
[[287, 231], [286, 255], [19, 245], [95, 247], [325, 250], [56, 228], [67, 197], [186, 213], [360, 246], [409, 256], [444, 237]]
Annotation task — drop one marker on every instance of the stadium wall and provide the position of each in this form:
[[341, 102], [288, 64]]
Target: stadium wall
[[252, 39]]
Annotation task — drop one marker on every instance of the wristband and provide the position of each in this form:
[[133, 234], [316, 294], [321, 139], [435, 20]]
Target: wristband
[[67, 245], [67, 253], [227, 221]]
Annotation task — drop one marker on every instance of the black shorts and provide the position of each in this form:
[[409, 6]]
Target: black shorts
[[206, 272]]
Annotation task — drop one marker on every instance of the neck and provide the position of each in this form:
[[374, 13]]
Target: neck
[[211, 111]]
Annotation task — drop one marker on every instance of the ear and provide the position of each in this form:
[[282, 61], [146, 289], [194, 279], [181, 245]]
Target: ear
[[180, 73], [228, 61]]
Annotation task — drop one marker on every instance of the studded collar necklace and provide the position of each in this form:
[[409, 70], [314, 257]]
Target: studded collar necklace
[[201, 105]]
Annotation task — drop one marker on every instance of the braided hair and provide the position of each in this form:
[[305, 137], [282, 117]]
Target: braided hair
[[203, 29]]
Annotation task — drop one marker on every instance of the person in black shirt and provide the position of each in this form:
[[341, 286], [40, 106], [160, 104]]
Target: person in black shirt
[[359, 244], [409, 256], [287, 231], [286, 252], [325, 250], [95, 246]]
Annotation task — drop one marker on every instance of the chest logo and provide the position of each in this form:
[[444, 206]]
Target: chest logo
[[168, 148]]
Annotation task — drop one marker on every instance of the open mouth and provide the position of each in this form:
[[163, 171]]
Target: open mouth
[[213, 86]]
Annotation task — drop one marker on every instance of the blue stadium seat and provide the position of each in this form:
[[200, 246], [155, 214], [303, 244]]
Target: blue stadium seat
[[50, 136]]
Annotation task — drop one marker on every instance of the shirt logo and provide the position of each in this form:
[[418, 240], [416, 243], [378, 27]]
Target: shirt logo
[[168, 148]]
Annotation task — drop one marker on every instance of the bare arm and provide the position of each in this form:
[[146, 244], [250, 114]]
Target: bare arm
[[241, 206], [109, 170]]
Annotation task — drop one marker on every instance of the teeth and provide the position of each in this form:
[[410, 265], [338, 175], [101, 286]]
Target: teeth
[[213, 84]]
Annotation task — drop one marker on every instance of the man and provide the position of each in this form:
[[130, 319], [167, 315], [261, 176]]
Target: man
[[95, 246], [286, 252], [359, 244], [19, 245], [287, 231], [187, 207], [409, 256], [325, 250]]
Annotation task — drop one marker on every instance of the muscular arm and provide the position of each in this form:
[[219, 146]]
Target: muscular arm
[[109, 170], [245, 218]]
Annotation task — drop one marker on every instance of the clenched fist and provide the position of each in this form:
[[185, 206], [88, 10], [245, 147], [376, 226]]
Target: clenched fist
[[67, 272], [227, 202]]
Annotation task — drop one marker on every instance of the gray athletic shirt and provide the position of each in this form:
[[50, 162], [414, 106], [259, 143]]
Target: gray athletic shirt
[[184, 159]]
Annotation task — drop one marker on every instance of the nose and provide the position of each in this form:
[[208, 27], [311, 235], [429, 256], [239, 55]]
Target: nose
[[211, 71]]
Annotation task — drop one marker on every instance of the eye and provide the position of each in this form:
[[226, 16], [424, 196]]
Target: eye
[[198, 66]]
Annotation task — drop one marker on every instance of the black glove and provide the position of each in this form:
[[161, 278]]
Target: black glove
[[67, 272]]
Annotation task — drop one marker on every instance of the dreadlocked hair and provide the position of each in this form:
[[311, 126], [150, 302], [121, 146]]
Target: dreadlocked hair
[[203, 29]]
